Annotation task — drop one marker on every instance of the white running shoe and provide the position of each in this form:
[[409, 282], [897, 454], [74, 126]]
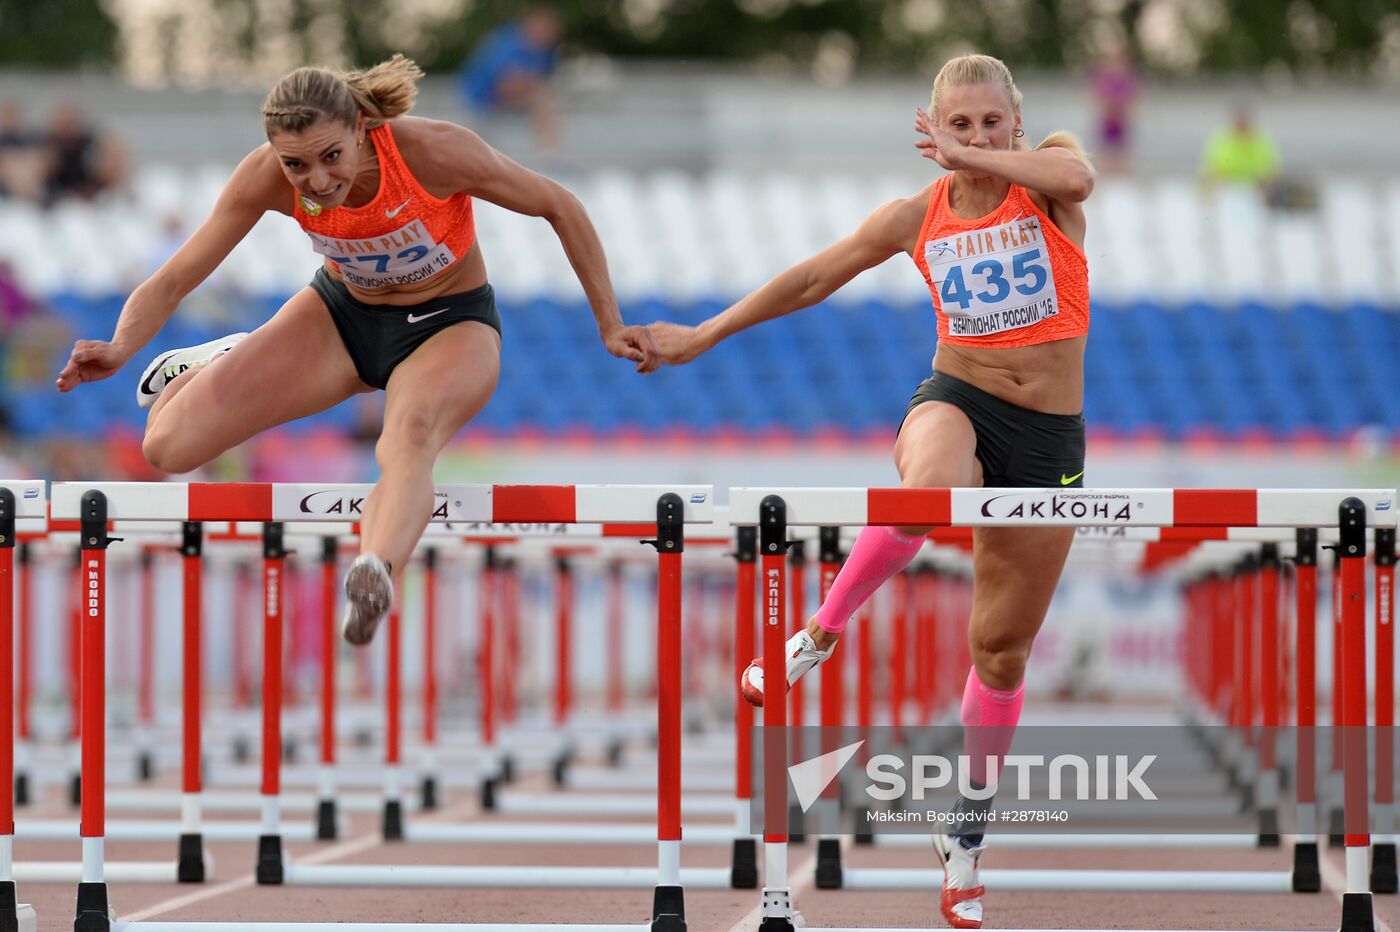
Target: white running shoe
[[163, 370], [961, 902], [802, 655], [368, 594]]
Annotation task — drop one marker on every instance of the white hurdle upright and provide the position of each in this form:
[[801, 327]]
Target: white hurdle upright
[[16, 499], [774, 510], [95, 505]]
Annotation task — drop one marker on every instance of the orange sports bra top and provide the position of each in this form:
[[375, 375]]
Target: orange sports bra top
[[1011, 278], [402, 236]]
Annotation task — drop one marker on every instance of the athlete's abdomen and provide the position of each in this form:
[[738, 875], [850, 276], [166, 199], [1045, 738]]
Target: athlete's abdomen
[[1046, 377]]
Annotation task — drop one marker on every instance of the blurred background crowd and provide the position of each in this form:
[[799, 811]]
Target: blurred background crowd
[[1244, 245]]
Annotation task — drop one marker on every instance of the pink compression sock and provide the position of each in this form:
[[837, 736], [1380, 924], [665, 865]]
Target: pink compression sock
[[878, 554], [990, 717]]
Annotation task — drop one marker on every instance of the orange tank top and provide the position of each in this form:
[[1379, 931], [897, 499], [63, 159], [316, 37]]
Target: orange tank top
[[402, 236], [1010, 278]]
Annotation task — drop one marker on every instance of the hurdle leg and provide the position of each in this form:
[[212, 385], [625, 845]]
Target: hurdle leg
[[1266, 790], [1357, 913], [22, 791], [668, 901], [145, 758], [563, 666], [1306, 871], [1383, 870], [797, 605], [428, 778], [13, 915], [743, 872], [326, 827], [270, 864], [392, 824], [1334, 788], [93, 912], [777, 910], [190, 866], [488, 767], [833, 700]]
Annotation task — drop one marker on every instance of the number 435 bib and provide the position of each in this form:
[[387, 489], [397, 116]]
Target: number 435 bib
[[994, 279]]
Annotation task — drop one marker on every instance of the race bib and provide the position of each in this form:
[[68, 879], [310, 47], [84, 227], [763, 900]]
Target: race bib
[[993, 280], [402, 257]]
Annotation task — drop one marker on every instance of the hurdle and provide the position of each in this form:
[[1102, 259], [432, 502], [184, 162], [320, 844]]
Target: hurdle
[[773, 510], [93, 505], [14, 915]]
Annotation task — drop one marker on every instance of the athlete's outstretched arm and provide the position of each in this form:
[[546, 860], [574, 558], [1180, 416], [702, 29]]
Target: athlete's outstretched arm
[[458, 158], [1055, 171], [891, 229], [256, 186]]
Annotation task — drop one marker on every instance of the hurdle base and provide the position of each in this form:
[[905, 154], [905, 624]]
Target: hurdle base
[[289, 751], [75, 791], [15, 916], [94, 913], [190, 866], [777, 910], [428, 794], [488, 794], [22, 796], [797, 825], [829, 875], [325, 820], [743, 870], [614, 753], [1268, 828], [1357, 915], [270, 870], [242, 750], [393, 820], [668, 909], [1383, 873], [507, 773], [1336, 829], [1247, 798], [1307, 878], [560, 767]]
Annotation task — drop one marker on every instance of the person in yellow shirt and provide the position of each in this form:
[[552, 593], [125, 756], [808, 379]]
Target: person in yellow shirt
[[1240, 153]]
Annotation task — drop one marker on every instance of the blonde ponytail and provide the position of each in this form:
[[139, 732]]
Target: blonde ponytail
[[1063, 139], [310, 94], [385, 91]]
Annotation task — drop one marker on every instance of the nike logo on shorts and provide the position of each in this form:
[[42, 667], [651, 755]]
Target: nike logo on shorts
[[1066, 480], [414, 318], [395, 212]]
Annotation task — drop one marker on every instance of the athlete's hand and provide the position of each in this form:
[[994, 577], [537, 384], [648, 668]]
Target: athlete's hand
[[91, 361], [633, 343], [939, 146], [676, 343]]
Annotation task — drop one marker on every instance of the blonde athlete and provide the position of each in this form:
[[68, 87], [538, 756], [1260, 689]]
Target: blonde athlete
[[999, 241], [401, 303]]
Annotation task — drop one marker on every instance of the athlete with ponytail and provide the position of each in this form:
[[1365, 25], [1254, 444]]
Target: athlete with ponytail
[[401, 304], [999, 241]]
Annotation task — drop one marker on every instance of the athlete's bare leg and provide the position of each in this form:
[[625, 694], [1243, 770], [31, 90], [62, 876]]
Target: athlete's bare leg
[[292, 366], [431, 396], [1017, 570]]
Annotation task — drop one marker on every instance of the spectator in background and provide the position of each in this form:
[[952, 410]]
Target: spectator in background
[[81, 164], [1241, 154], [22, 158], [509, 72], [1114, 85]]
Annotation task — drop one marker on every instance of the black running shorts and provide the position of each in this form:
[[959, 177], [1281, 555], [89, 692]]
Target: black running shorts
[[1017, 447], [380, 336]]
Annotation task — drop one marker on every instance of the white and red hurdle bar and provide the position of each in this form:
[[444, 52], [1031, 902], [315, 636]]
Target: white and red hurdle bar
[[774, 510], [95, 506]]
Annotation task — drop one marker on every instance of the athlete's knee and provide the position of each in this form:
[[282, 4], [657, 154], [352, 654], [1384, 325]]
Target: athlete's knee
[[411, 436], [999, 656], [165, 450]]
